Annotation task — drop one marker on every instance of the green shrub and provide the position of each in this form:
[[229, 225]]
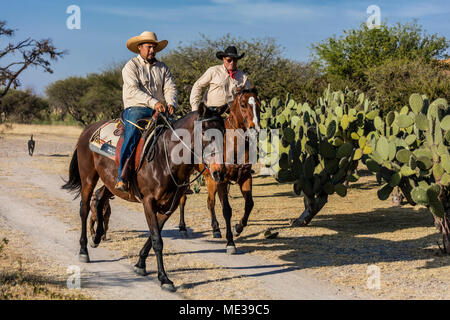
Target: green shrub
[[395, 80]]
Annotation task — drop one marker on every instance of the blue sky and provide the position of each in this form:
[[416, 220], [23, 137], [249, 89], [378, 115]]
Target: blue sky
[[107, 25]]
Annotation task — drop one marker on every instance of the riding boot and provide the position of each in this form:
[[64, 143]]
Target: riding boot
[[122, 183]]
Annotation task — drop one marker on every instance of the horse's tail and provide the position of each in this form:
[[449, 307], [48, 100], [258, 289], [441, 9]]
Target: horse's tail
[[74, 183]]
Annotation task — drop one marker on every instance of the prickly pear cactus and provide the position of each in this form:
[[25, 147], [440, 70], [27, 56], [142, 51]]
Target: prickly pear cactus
[[321, 145], [411, 151]]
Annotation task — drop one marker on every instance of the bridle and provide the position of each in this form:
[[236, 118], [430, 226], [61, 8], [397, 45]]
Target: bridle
[[205, 165], [241, 94]]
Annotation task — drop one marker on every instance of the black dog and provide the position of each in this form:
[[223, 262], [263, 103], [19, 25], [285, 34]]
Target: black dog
[[31, 144]]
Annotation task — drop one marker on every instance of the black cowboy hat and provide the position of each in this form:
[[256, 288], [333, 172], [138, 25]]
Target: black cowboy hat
[[231, 52]]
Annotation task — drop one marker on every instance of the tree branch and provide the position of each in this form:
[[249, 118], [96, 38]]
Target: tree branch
[[34, 53]]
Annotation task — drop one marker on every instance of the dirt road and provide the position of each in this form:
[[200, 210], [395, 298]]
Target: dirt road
[[31, 201]]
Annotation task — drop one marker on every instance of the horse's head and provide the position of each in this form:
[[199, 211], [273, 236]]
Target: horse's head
[[212, 133], [245, 111]]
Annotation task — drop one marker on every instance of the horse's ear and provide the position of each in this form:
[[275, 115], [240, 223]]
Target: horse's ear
[[222, 109], [253, 89]]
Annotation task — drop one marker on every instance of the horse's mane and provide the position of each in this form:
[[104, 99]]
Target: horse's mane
[[210, 114], [251, 90]]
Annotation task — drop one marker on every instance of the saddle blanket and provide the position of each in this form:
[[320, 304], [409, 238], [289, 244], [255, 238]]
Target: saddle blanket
[[105, 139]]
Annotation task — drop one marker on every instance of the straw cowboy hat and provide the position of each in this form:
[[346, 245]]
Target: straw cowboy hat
[[145, 36], [231, 51]]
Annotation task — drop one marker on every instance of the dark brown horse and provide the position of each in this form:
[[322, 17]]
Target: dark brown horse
[[244, 114], [161, 183]]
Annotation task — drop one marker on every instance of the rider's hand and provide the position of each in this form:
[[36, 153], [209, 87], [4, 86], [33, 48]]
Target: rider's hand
[[159, 107], [171, 109]]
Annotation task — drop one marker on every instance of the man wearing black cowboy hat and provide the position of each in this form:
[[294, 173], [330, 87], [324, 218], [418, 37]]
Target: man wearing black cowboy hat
[[224, 81]]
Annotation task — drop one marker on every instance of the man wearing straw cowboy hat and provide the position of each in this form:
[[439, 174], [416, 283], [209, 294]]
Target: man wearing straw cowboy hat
[[148, 86], [224, 81]]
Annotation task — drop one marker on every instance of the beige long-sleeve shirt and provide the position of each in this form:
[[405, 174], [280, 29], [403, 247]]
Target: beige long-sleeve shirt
[[222, 88], [145, 84]]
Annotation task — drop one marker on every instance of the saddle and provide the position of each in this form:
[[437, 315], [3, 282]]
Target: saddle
[[108, 139]]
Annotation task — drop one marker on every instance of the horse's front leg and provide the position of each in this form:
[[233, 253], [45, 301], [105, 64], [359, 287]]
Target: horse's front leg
[[140, 266], [246, 190], [212, 190], [182, 224], [157, 243], [222, 189]]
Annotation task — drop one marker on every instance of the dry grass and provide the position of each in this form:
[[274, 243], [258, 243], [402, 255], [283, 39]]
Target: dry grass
[[37, 130], [27, 275], [51, 164]]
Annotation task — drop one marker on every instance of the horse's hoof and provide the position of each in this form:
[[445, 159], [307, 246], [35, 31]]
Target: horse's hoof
[[298, 223], [168, 287], [235, 231], [231, 250], [84, 258], [92, 243], [217, 234], [184, 234], [140, 271]]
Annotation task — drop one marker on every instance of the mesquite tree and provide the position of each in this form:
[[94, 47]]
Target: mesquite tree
[[21, 55]]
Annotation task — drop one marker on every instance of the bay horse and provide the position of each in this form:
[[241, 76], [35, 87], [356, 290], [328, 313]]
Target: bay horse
[[244, 114], [161, 182]]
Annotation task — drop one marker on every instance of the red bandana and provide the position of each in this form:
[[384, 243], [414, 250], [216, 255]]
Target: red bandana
[[232, 73]]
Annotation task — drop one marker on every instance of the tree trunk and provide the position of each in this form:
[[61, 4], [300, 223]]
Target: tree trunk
[[312, 207], [397, 197], [445, 230]]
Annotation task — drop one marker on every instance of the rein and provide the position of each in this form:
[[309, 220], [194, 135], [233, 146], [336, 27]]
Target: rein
[[238, 129], [170, 171], [245, 120], [179, 139], [180, 186]]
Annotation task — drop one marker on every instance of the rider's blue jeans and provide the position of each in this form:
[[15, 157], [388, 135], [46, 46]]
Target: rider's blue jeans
[[130, 139]]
